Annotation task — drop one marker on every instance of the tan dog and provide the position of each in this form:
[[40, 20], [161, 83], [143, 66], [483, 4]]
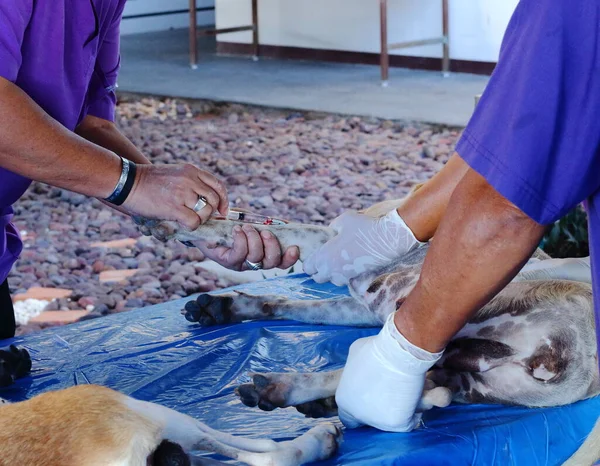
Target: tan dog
[[89, 425]]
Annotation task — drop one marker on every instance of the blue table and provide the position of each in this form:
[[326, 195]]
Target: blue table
[[156, 355]]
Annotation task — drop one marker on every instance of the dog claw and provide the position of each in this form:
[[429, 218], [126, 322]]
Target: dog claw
[[192, 311], [266, 406], [248, 395], [192, 316], [161, 230]]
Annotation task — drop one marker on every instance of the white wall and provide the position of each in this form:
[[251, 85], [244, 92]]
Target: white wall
[[164, 21], [476, 26]]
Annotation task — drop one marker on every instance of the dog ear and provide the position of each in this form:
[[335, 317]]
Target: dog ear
[[170, 454]]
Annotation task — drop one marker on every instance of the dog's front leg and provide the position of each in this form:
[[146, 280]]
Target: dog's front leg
[[308, 238], [237, 306]]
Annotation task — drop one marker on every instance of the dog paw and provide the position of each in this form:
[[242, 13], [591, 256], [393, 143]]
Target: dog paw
[[323, 408], [326, 437], [209, 310], [14, 364], [267, 391]]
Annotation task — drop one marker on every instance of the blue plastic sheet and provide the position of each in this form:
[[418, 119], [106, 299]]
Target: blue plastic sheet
[[154, 354]]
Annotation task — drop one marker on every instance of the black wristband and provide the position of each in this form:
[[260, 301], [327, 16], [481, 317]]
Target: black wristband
[[124, 193]]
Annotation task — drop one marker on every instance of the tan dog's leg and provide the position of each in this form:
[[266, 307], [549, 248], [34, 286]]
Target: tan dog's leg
[[317, 444]]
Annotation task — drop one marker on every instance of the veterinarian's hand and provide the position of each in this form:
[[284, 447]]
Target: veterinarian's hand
[[362, 243], [383, 381], [170, 192], [249, 244]]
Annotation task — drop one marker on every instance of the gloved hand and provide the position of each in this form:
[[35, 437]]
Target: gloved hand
[[383, 381], [575, 269], [362, 243]]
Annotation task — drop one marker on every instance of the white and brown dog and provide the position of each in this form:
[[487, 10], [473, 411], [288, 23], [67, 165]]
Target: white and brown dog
[[533, 345]]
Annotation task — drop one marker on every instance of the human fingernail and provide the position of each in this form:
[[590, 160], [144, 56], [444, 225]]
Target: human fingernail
[[237, 229], [247, 228], [267, 234]]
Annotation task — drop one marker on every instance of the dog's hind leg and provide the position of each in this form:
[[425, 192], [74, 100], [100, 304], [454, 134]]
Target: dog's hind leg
[[238, 306], [282, 390], [313, 394]]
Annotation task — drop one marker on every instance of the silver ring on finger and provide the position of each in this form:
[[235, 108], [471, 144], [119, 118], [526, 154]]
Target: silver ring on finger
[[254, 265], [201, 204]]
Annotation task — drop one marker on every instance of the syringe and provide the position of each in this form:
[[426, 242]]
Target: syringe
[[250, 217]]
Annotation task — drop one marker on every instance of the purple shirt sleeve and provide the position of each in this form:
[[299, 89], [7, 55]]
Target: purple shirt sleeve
[[14, 18], [535, 134], [103, 84]]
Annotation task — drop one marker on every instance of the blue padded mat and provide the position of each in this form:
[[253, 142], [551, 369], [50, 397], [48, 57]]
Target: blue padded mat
[[154, 354]]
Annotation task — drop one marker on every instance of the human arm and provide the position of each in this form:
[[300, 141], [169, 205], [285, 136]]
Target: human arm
[[248, 243], [99, 127], [480, 245], [536, 143], [106, 134], [424, 210], [34, 145]]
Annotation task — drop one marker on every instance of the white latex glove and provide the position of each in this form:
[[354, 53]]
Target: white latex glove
[[383, 381], [362, 243], [575, 269]]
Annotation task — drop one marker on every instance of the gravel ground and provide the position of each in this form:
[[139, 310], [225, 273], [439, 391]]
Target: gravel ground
[[299, 166]]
